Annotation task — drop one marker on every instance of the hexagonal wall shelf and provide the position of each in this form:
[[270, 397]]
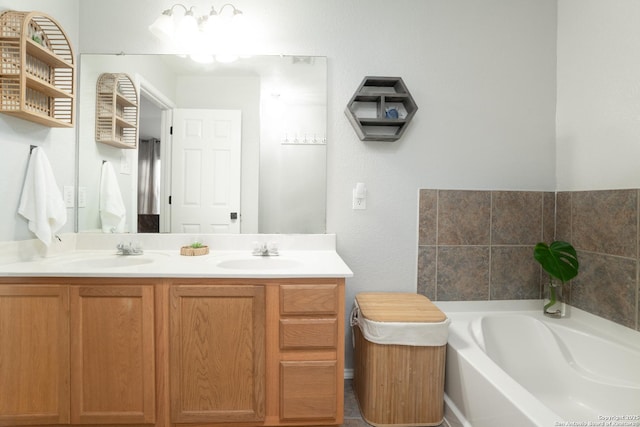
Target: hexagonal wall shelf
[[381, 109]]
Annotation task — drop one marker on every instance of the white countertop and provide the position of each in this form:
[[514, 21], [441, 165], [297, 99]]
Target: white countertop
[[220, 264], [297, 258]]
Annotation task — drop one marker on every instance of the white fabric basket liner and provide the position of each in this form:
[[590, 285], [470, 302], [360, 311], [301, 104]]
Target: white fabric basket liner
[[419, 334]]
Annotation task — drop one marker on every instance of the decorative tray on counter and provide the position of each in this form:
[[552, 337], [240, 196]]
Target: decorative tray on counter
[[191, 251]]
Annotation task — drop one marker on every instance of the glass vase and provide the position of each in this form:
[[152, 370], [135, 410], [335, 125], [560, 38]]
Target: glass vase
[[554, 305]]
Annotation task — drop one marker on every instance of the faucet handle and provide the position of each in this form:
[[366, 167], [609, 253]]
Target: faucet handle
[[136, 247], [272, 248], [258, 248]]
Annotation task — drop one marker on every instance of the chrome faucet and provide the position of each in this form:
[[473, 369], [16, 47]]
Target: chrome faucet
[[265, 249], [129, 248]]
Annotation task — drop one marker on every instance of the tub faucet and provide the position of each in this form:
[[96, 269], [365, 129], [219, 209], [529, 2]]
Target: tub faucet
[[129, 248]]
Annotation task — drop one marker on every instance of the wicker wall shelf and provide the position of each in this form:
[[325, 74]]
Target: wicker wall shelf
[[381, 109], [37, 72], [116, 110]]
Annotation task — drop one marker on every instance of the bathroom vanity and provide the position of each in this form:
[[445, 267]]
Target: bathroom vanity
[[212, 340]]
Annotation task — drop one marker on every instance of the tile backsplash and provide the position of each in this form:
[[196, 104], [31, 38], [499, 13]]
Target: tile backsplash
[[478, 245]]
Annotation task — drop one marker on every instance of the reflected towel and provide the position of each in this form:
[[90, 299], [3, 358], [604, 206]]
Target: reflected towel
[[41, 202], [112, 210]]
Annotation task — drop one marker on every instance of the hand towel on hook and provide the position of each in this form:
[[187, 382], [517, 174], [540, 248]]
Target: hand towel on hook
[[41, 202], [112, 211]]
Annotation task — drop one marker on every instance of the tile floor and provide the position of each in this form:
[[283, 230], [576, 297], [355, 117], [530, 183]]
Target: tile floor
[[352, 416]]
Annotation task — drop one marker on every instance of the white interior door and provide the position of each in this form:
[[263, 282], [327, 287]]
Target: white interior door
[[205, 177]]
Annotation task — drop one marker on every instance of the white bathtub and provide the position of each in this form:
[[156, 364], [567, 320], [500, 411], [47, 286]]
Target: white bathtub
[[508, 365]]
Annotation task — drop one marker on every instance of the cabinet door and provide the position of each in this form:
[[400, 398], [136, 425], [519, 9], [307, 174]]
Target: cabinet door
[[217, 353], [34, 355], [112, 354]]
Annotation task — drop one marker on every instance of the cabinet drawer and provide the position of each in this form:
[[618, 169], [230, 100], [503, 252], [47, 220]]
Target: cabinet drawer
[[308, 333], [308, 299], [308, 390]]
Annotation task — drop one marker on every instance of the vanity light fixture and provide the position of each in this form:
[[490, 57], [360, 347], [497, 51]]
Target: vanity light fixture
[[199, 35], [227, 14], [163, 27]]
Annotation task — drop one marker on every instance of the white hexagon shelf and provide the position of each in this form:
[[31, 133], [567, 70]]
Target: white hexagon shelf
[[381, 109]]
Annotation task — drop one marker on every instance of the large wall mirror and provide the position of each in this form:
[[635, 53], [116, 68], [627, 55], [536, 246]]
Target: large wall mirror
[[278, 104]]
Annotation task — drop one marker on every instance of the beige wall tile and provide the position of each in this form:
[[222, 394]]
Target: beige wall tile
[[563, 216], [428, 217], [605, 221], [427, 271], [463, 217], [482, 246], [463, 273], [514, 273], [548, 217], [606, 286], [516, 218]]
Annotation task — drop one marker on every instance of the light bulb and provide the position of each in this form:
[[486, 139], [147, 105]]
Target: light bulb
[[226, 58], [187, 29], [238, 17], [209, 22], [163, 27], [202, 58]]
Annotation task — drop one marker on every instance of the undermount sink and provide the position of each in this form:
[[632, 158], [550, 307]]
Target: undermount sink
[[110, 261], [258, 263]]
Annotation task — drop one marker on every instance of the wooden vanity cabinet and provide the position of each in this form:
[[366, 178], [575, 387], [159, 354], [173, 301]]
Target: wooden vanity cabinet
[[171, 352], [76, 353], [311, 344], [34, 354], [256, 352], [217, 353], [112, 354]]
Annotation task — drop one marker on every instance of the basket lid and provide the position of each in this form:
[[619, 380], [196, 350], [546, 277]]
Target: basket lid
[[398, 307]]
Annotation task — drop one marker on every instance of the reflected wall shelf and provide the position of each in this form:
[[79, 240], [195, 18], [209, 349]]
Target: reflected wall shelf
[[37, 72], [116, 110], [371, 109]]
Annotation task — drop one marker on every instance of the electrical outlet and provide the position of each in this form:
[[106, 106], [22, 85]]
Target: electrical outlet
[[358, 202], [68, 196]]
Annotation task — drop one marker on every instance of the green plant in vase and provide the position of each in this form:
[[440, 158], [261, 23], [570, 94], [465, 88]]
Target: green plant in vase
[[560, 261]]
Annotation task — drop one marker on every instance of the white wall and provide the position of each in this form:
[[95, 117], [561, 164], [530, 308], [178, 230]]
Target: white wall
[[17, 135], [598, 129], [482, 73]]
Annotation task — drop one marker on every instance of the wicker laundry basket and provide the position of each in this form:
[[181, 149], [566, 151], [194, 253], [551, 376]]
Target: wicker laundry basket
[[400, 350]]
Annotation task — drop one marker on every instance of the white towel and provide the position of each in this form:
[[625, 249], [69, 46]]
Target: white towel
[[41, 202], [112, 211]]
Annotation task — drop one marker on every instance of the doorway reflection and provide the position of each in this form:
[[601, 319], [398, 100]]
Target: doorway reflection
[[149, 167]]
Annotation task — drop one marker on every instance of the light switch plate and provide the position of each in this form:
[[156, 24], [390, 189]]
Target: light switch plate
[[82, 197], [68, 196], [125, 163]]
